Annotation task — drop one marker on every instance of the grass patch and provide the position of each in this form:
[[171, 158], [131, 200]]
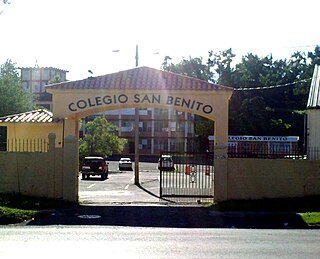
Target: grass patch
[[305, 204], [16, 208], [11, 215], [311, 218]]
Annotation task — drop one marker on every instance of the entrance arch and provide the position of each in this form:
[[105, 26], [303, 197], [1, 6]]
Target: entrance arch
[[145, 87]]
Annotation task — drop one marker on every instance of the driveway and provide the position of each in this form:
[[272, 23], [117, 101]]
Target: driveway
[[120, 187]]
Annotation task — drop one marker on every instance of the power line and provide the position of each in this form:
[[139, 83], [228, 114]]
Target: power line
[[270, 87]]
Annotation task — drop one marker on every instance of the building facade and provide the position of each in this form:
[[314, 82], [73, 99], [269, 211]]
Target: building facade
[[35, 79], [159, 129]]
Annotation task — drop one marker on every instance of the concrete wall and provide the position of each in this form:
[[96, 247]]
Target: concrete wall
[[277, 178], [41, 174]]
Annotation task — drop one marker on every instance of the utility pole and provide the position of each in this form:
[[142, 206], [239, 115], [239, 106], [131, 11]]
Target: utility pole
[[136, 134]]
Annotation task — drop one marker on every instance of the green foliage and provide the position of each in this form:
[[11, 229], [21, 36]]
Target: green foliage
[[193, 67], [311, 218], [100, 139], [221, 62], [13, 98], [55, 80], [12, 215], [257, 112]]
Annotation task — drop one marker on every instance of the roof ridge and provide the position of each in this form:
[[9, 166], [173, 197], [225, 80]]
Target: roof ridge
[[143, 77]]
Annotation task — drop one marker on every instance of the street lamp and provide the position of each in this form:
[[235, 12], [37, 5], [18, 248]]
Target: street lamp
[[136, 126]]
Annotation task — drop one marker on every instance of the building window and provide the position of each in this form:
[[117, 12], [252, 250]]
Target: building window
[[35, 74], [156, 111], [190, 127], [161, 144], [25, 86], [181, 126], [35, 88], [173, 126], [43, 86], [144, 144], [160, 126], [3, 138], [45, 74], [25, 74], [126, 126]]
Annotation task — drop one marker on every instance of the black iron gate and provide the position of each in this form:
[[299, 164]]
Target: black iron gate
[[191, 176]]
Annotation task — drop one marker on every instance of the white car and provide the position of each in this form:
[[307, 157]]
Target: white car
[[125, 164]]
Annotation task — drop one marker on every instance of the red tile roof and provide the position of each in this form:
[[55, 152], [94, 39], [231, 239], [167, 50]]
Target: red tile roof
[[31, 116], [140, 78]]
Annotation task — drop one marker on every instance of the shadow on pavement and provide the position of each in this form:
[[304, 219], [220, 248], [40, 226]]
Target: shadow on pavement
[[153, 194], [166, 216]]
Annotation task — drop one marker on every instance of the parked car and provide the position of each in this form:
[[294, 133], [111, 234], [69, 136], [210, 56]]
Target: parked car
[[125, 164], [165, 163], [94, 165]]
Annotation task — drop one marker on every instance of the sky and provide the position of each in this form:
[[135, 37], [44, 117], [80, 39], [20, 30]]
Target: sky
[[81, 35]]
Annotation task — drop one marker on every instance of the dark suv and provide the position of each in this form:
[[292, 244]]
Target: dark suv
[[93, 165]]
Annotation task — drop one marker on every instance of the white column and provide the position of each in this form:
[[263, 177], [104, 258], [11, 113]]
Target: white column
[[152, 131], [169, 130], [185, 131]]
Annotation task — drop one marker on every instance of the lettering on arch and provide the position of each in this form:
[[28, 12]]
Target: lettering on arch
[[170, 101]]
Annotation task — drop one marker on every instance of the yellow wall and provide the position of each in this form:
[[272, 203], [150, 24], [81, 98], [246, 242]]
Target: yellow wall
[[34, 131], [276, 178], [41, 174]]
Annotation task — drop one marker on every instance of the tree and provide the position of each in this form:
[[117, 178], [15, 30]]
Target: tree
[[194, 67], [221, 62], [100, 139], [269, 111], [13, 98]]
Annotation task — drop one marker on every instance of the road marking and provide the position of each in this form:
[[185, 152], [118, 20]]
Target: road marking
[[127, 186], [90, 186], [89, 216]]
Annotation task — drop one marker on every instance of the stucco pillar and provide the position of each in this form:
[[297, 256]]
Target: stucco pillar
[[51, 166], [220, 159], [70, 169], [71, 127]]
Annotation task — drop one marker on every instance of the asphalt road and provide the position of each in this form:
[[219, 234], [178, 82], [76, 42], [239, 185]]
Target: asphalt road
[[136, 242], [120, 187]]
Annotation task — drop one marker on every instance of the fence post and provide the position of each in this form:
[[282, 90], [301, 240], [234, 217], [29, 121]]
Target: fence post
[[70, 169], [51, 184], [220, 172]]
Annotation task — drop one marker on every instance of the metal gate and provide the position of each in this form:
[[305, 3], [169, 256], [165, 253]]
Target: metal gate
[[190, 178]]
